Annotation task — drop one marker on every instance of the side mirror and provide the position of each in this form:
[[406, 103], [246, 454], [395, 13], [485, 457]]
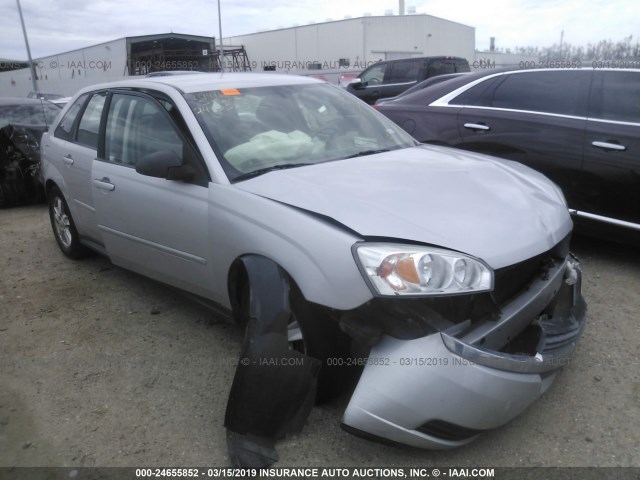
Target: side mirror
[[356, 83], [164, 164]]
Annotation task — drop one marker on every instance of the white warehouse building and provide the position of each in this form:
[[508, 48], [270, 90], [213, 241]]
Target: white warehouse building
[[355, 43], [333, 47]]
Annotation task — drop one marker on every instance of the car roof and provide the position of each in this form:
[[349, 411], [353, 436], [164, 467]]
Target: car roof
[[434, 92], [433, 81], [164, 73], [442, 88], [188, 83]]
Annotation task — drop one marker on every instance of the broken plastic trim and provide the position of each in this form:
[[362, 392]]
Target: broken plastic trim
[[560, 296], [410, 318], [274, 387]]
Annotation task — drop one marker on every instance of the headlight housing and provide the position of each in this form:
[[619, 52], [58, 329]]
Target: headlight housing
[[397, 269]]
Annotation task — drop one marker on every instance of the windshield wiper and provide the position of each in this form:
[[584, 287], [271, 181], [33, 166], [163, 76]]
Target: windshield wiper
[[262, 171], [368, 152]]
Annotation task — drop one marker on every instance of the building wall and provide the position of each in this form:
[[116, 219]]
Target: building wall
[[361, 40], [68, 72], [416, 35]]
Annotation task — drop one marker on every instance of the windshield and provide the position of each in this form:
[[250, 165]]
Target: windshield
[[254, 129], [43, 114]]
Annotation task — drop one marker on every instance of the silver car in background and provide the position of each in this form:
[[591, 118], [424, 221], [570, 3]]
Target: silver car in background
[[292, 207]]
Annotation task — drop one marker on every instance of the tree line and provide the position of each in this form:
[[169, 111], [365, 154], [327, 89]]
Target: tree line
[[602, 50]]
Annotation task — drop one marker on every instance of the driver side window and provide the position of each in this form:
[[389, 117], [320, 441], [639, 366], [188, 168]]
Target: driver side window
[[138, 126], [374, 75]]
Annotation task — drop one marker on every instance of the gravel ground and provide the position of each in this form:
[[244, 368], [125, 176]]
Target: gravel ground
[[102, 367]]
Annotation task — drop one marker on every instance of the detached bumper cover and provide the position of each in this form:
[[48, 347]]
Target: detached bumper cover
[[442, 390]]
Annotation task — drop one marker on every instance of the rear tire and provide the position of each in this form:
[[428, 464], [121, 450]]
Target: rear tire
[[64, 229]]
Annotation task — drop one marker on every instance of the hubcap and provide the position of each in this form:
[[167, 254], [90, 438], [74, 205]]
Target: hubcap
[[61, 222]]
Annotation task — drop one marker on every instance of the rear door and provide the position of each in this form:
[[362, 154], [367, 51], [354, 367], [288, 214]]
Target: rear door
[[73, 147], [537, 118], [154, 226], [611, 178]]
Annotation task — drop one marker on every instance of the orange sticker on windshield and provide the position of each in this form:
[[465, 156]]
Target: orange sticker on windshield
[[229, 91]]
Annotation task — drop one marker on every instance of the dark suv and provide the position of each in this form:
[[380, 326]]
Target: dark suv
[[392, 77], [580, 127]]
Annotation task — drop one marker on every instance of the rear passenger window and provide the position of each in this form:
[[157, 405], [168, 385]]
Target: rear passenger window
[[65, 127], [89, 125], [617, 97], [138, 126], [404, 71], [476, 94], [561, 92], [441, 67]]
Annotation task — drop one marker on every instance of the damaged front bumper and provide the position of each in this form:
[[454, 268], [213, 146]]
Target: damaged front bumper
[[442, 390]]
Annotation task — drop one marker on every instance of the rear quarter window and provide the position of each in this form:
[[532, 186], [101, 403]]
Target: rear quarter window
[[558, 92], [64, 130], [89, 124]]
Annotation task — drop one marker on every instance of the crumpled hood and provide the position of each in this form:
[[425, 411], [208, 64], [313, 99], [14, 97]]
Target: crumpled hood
[[496, 210]]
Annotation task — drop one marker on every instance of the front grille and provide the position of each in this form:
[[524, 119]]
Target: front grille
[[447, 431], [511, 280]]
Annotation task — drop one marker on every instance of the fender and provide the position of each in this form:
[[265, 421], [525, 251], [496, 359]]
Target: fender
[[274, 387]]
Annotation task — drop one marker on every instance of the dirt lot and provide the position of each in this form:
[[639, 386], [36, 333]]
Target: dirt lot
[[101, 367]]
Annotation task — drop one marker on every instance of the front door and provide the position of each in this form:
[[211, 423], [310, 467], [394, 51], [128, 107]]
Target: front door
[[154, 226]]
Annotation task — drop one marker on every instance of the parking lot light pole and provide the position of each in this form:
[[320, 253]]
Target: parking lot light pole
[[26, 41], [221, 48]]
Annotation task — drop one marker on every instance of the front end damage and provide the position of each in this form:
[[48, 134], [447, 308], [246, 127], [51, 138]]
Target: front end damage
[[479, 361], [20, 175], [437, 371]]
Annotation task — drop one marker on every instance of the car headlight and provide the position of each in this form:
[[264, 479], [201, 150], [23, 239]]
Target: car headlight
[[415, 270]]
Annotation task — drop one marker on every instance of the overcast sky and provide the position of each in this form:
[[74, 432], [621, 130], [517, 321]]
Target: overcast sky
[[56, 26]]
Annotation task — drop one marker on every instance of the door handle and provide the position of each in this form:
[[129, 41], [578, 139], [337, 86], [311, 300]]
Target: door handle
[[104, 184], [68, 159], [477, 126], [609, 146]]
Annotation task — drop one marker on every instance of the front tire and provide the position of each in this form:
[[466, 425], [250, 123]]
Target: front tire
[[321, 338], [311, 333], [64, 229]]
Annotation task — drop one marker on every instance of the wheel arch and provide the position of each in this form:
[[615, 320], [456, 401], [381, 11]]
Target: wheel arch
[[48, 186], [238, 277]]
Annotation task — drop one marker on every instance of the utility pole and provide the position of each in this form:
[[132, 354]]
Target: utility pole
[[221, 49], [26, 41]]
